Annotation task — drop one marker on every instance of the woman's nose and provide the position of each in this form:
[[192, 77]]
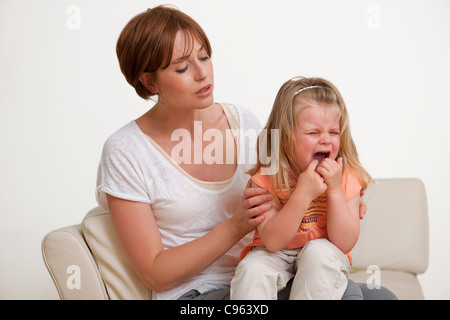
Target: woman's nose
[[201, 72]]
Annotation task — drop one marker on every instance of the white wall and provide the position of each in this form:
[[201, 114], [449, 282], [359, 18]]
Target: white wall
[[62, 94]]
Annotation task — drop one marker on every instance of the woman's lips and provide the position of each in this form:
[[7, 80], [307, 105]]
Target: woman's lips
[[204, 91]]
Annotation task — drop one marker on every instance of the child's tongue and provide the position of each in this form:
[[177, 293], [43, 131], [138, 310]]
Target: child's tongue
[[319, 156]]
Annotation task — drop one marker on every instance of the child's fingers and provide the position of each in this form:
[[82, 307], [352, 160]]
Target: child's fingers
[[312, 166], [325, 165], [330, 164], [323, 172]]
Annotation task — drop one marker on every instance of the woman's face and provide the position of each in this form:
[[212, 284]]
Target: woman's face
[[186, 83]]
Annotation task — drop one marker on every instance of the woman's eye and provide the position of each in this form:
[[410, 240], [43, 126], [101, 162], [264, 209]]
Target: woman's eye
[[182, 70], [203, 58]]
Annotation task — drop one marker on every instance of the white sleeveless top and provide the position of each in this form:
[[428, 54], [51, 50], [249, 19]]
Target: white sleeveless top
[[135, 168]]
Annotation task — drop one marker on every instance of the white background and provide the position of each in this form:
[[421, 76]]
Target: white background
[[62, 94]]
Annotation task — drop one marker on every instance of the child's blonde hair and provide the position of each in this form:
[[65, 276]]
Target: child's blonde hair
[[288, 103]]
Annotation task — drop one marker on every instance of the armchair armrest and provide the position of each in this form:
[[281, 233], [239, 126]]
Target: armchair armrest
[[71, 265]]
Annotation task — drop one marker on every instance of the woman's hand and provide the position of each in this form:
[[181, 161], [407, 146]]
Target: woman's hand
[[362, 205], [257, 202]]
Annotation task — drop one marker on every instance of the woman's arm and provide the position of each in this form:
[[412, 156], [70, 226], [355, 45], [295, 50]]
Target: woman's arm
[[160, 269]]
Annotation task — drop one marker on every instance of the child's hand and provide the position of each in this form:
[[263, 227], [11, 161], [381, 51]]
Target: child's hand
[[331, 171], [311, 183]]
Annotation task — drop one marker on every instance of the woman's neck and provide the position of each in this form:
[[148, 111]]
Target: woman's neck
[[176, 118], [162, 121]]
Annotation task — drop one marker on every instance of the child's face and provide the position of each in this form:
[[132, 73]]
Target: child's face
[[317, 134]]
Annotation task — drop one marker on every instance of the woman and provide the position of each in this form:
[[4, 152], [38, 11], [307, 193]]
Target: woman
[[180, 216], [181, 224]]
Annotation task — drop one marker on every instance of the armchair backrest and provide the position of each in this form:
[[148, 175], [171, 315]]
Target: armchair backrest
[[394, 232], [120, 279]]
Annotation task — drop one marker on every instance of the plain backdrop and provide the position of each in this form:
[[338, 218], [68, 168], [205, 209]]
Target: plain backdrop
[[62, 94]]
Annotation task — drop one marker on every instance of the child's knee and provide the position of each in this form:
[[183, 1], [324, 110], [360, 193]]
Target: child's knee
[[322, 271], [260, 275], [249, 281], [246, 267], [321, 253], [253, 267]]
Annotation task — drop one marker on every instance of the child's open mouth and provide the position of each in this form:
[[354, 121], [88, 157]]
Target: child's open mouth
[[320, 156]]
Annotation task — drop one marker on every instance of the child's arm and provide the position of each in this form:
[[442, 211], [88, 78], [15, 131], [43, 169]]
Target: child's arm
[[342, 216], [281, 224]]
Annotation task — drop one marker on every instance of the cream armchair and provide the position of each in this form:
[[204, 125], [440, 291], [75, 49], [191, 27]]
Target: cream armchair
[[86, 261]]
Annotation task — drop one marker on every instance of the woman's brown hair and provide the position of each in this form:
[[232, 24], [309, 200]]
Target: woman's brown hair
[[146, 43]]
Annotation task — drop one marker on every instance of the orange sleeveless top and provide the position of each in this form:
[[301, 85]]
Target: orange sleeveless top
[[314, 222]]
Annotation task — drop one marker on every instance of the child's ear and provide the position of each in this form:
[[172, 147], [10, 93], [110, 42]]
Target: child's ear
[[149, 82]]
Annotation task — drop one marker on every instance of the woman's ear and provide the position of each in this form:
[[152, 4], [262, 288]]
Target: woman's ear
[[149, 82]]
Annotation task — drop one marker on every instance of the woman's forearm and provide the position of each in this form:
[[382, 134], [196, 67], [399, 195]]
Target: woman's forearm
[[160, 269], [173, 266]]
